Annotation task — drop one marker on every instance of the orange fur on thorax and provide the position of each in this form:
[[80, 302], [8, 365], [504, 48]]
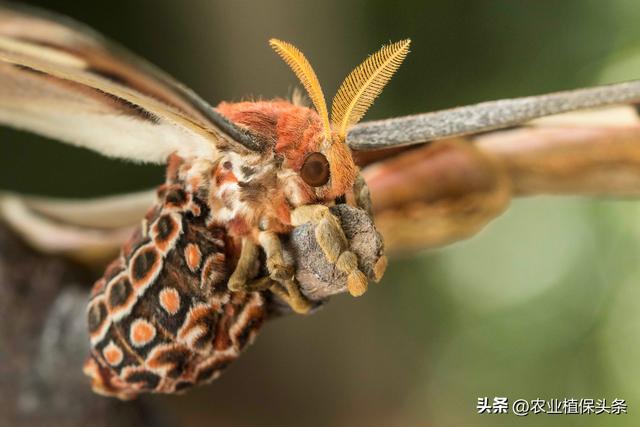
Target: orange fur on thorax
[[295, 131], [292, 128]]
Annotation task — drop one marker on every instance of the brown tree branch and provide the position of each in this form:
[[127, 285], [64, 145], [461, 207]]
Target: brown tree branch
[[572, 160], [450, 190]]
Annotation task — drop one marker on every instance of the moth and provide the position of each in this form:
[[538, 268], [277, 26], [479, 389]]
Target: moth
[[195, 281]]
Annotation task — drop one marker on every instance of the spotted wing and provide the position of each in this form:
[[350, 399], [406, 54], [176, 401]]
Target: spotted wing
[[431, 195], [62, 80], [162, 319]]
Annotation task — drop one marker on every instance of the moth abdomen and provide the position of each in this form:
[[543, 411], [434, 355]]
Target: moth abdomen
[[162, 319]]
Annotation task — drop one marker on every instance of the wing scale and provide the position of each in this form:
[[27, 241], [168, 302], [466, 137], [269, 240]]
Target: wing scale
[[62, 80]]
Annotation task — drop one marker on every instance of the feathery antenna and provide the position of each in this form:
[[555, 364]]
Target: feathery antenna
[[296, 60], [364, 84]]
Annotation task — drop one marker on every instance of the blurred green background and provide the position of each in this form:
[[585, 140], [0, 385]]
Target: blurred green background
[[544, 303]]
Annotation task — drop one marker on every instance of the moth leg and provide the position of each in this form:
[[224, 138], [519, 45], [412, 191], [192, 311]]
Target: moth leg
[[247, 267], [362, 195], [276, 266], [289, 292], [333, 242], [285, 285], [260, 284]]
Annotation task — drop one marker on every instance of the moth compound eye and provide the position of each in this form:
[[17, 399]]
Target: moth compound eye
[[315, 170]]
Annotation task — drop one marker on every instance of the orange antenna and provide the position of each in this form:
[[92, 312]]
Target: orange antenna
[[296, 60], [364, 84]]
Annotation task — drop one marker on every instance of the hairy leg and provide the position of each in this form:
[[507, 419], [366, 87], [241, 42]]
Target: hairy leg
[[362, 198], [362, 195], [280, 280], [333, 242], [247, 266], [285, 285]]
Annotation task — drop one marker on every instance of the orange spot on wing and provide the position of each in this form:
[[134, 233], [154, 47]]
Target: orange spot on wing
[[142, 332], [112, 354], [170, 300], [193, 256]]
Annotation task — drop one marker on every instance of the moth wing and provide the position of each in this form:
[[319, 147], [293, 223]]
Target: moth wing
[[64, 81], [486, 116], [91, 230], [439, 193]]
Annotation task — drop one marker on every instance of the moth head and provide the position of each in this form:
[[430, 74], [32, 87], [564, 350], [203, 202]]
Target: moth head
[[327, 167]]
